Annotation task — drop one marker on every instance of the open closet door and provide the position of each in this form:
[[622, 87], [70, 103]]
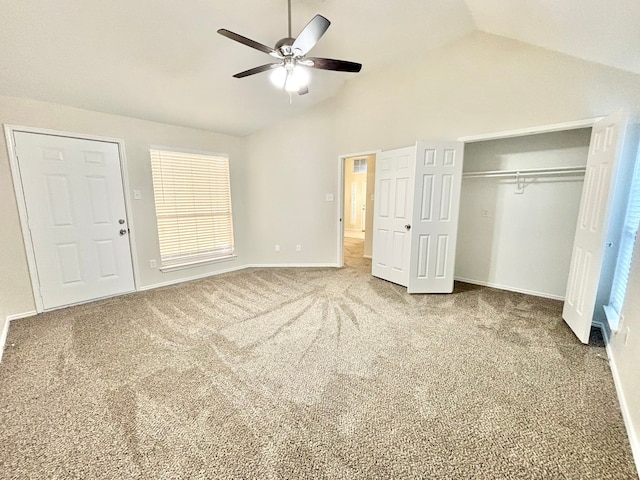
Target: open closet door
[[605, 149], [434, 226], [393, 208]]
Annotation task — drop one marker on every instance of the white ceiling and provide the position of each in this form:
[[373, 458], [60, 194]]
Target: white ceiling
[[164, 61]]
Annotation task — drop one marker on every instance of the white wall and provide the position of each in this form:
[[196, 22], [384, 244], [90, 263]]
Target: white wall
[[15, 288], [292, 166], [521, 241], [479, 84], [625, 350]]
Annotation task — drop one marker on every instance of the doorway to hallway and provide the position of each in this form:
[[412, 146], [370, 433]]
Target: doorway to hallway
[[356, 206]]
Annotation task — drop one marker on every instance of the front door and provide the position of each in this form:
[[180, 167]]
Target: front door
[[74, 199]]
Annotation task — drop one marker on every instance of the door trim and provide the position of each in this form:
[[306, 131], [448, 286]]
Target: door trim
[[522, 132], [340, 202], [9, 130]]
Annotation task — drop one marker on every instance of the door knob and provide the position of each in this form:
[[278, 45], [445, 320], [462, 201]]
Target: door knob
[[121, 221], [408, 227], [123, 231]]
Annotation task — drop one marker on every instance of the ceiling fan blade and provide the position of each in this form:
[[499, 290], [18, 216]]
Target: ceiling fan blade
[[310, 35], [337, 65], [303, 90], [253, 71], [248, 42]]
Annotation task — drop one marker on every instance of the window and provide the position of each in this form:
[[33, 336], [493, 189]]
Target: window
[[193, 207], [360, 165], [627, 243]]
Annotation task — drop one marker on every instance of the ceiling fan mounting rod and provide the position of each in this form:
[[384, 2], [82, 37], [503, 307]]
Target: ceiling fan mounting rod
[[289, 3]]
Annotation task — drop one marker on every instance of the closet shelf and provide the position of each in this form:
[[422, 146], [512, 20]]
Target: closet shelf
[[529, 172]]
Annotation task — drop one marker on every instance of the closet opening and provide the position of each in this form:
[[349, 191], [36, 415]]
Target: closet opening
[[519, 206]]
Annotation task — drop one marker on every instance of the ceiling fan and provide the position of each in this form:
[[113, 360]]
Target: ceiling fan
[[288, 72]]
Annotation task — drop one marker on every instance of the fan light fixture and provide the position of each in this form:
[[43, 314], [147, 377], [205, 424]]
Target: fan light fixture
[[290, 78], [290, 72]]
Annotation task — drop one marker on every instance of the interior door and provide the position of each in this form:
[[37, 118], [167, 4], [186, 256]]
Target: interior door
[[74, 198], [607, 138], [393, 207], [434, 226]]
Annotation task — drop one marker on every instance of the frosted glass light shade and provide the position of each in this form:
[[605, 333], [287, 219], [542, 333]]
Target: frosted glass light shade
[[291, 80]]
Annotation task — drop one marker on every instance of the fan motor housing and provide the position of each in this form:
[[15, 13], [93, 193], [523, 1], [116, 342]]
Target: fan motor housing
[[284, 45]]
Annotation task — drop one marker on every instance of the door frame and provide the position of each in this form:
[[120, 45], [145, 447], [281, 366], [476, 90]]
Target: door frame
[[22, 205], [340, 202]]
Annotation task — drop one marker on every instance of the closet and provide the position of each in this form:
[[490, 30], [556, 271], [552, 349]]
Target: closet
[[520, 199]]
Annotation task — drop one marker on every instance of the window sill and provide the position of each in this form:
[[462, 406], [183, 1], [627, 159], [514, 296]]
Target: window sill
[[198, 263], [613, 318]]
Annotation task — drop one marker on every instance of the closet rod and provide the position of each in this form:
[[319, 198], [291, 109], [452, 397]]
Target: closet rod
[[530, 172]]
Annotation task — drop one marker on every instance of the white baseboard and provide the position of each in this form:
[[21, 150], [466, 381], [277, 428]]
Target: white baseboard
[[293, 265], [5, 328], [188, 279], [18, 316], [510, 289], [624, 406], [235, 269], [3, 336]]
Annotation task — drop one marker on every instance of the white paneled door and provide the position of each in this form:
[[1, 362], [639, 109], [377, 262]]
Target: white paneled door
[[393, 207], [74, 199], [416, 216], [605, 149], [434, 228]]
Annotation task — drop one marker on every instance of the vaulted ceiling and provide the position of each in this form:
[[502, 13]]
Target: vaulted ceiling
[[164, 61]]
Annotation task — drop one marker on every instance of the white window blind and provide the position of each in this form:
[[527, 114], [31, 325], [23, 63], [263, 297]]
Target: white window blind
[[627, 243], [193, 206]]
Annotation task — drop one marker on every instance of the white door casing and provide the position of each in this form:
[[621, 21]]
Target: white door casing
[[607, 139], [74, 199], [434, 226], [393, 207]]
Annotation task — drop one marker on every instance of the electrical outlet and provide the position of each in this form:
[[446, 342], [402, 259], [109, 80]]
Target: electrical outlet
[[153, 264], [298, 248], [137, 195], [276, 247], [485, 213]]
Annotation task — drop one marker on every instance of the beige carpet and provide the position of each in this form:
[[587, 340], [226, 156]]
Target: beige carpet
[[308, 373]]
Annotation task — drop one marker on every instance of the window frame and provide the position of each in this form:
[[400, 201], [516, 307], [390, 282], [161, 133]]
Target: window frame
[[628, 244], [194, 259]]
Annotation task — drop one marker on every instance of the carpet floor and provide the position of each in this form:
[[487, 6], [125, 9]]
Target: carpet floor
[[308, 373]]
